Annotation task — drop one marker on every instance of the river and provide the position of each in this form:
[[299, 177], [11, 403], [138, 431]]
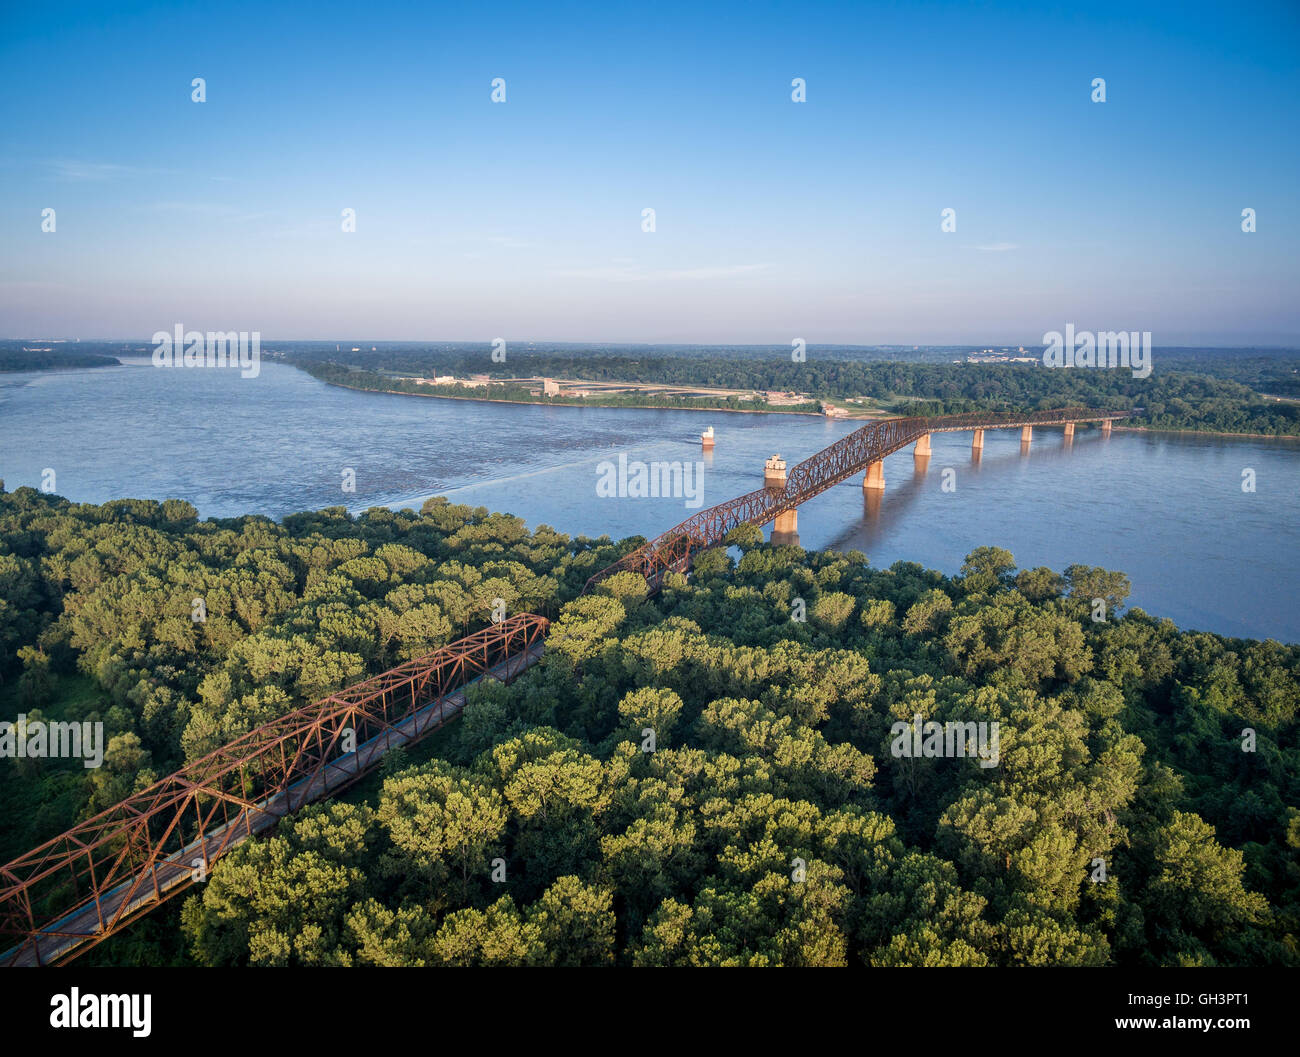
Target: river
[[1167, 509]]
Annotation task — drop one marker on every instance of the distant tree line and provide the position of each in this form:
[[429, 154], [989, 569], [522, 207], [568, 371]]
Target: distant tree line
[[1169, 398], [18, 359], [354, 378]]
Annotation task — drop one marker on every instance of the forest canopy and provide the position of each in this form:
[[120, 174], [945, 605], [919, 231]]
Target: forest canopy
[[707, 776]]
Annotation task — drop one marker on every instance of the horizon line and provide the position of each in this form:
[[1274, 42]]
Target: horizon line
[[1281, 347]]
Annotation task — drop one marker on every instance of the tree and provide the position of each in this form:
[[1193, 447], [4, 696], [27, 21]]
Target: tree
[[657, 710], [499, 935], [986, 569], [575, 923], [282, 901], [745, 536], [444, 824], [1197, 883], [1087, 582]]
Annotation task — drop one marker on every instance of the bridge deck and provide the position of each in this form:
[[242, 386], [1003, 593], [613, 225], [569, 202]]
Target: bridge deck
[[84, 925]]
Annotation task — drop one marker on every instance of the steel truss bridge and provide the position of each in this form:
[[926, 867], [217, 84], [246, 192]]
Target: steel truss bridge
[[110, 869], [672, 550], [74, 891]]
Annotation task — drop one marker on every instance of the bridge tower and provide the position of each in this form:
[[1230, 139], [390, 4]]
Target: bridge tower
[[774, 472], [785, 529]]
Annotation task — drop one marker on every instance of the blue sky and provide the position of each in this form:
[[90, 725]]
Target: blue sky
[[774, 219]]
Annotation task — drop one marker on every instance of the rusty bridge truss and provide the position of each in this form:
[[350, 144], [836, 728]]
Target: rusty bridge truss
[[81, 887], [672, 550]]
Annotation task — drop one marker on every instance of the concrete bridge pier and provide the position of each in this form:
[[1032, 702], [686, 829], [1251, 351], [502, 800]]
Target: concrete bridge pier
[[785, 529], [875, 479], [977, 441], [774, 472], [921, 455], [1105, 427], [1069, 430], [1026, 434]]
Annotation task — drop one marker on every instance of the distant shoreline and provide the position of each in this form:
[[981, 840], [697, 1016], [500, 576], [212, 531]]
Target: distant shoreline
[[611, 407], [5, 368], [1206, 433], [863, 418]]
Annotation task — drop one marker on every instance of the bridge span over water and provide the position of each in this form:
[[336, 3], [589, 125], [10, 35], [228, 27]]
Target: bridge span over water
[[862, 451], [79, 888]]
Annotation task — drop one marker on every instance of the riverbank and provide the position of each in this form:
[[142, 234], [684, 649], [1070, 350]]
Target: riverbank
[[586, 403], [1206, 433], [11, 363], [854, 416]]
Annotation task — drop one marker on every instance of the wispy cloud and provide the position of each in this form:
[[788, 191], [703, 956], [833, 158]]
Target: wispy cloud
[[997, 247]]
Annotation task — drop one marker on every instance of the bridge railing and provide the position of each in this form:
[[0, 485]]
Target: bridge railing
[[92, 879]]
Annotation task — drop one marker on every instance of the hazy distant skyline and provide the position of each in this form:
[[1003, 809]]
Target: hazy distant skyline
[[774, 219]]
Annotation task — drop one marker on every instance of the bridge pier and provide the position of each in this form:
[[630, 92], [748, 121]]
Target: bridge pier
[[1069, 430], [774, 472], [977, 441], [875, 479], [1026, 434], [1105, 427], [922, 449], [785, 529]]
